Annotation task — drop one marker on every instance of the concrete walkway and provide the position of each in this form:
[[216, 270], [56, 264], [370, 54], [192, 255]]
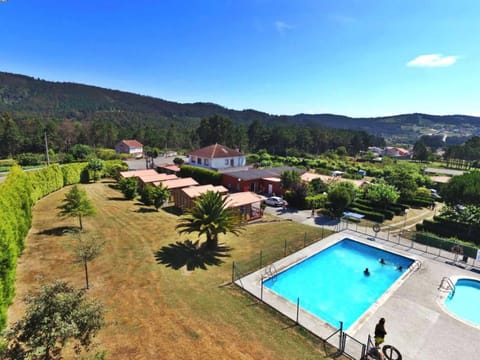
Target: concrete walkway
[[417, 322]]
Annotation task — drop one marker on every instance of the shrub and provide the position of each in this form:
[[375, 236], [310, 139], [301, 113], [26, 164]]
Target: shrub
[[369, 215], [202, 176], [128, 187]]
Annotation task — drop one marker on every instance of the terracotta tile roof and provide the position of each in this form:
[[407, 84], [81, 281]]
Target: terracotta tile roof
[[171, 167], [252, 174], [156, 177], [215, 151], [179, 183], [308, 176], [195, 191], [137, 173], [243, 198], [132, 143]]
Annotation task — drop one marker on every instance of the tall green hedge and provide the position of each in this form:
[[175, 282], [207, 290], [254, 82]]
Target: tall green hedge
[[20, 191], [202, 176], [15, 221]]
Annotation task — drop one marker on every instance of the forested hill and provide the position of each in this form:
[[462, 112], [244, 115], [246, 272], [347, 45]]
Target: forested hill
[[25, 98]]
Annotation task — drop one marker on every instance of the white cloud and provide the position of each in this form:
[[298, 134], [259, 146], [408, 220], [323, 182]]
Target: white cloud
[[282, 26], [433, 60]]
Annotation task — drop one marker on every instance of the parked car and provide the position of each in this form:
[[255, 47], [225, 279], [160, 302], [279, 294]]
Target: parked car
[[275, 201]]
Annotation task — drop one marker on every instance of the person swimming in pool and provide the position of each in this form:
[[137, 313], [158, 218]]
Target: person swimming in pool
[[382, 261], [400, 268], [366, 272]]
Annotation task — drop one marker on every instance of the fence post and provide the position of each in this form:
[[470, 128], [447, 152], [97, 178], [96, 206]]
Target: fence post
[[298, 308], [323, 229], [305, 239], [233, 271], [261, 288], [341, 337], [285, 249], [364, 351], [260, 259]]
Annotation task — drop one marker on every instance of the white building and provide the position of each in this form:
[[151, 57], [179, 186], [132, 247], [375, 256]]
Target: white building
[[217, 157]]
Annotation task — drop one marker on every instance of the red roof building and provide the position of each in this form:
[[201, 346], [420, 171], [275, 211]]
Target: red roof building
[[129, 147], [217, 157]]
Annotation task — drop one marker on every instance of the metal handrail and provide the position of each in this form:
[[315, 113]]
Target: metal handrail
[[450, 285]]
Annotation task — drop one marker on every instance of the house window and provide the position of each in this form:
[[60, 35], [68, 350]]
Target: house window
[[227, 162], [199, 161], [205, 162]]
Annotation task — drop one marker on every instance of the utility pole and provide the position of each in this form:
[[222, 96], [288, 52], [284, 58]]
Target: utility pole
[[46, 148]]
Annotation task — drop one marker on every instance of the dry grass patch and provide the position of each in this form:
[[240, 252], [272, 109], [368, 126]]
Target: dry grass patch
[[155, 311]]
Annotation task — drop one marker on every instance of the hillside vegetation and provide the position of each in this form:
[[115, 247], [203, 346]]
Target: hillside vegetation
[[29, 98]]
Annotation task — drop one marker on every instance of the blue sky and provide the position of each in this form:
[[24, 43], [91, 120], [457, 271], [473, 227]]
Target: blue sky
[[350, 57]]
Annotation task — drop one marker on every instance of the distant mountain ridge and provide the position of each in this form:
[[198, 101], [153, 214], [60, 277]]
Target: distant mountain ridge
[[26, 96]]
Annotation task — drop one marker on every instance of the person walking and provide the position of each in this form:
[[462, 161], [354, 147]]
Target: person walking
[[380, 332]]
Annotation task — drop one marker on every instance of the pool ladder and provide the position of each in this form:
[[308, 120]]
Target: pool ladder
[[447, 285], [271, 273]]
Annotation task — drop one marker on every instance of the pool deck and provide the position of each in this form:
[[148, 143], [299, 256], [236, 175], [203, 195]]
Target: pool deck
[[417, 324]]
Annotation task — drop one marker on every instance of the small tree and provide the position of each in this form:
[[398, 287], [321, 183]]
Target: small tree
[[75, 204], [381, 193], [160, 195], [57, 314], [96, 165], [147, 194], [128, 186], [290, 179], [340, 196], [178, 161], [86, 249]]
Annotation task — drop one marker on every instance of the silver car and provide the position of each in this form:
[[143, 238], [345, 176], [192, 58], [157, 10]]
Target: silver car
[[275, 201]]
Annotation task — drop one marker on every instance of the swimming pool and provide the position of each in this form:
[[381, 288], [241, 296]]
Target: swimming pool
[[464, 302], [331, 284]]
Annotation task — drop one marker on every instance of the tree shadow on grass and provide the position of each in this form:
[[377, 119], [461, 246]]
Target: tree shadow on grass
[[117, 198], [146, 210], [192, 255], [60, 231], [173, 210]]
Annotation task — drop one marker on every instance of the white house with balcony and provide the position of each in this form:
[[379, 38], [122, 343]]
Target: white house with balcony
[[217, 157]]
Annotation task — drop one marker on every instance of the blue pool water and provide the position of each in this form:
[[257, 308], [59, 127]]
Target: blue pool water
[[331, 284], [465, 301]]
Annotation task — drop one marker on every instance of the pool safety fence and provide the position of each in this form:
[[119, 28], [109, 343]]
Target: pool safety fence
[[278, 251], [451, 251]]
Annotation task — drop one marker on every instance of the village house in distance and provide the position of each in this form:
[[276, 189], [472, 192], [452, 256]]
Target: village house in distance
[[132, 147], [217, 157]]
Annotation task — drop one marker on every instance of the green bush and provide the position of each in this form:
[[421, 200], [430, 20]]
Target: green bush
[[30, 159], [202, 176], [369, 215], [113, 167], [72, 173], [438, 242]]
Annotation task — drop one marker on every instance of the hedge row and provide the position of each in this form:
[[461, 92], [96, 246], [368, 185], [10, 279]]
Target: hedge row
[[387, 214], [397, 209], [448, 228], [369, 215], [202, 176], [18, 194], [445, 244], [420, 202]]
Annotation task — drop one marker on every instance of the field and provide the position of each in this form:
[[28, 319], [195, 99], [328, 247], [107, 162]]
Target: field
[[156, 308]]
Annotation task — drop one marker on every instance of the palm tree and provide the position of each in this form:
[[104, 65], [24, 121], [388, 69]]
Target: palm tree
[[209, 217]]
